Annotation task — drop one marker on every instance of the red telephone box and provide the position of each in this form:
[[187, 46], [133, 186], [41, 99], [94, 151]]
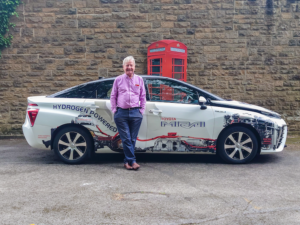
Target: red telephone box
[[167, 58]]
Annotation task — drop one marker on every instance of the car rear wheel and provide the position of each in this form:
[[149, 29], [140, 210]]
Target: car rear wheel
[[72, 145], [237, 145]]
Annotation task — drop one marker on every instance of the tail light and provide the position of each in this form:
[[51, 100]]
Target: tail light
[[32, 114], [32, 104]]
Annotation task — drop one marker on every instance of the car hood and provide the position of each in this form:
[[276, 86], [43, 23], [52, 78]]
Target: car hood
[[245, 106]]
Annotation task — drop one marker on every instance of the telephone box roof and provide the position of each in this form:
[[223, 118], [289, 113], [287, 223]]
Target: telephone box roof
[[166, 43]]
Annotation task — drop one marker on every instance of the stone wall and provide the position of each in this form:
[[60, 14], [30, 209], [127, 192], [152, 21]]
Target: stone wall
[[243, 50]]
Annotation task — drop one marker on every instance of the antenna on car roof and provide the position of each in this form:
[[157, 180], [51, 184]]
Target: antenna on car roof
[[101, 78]]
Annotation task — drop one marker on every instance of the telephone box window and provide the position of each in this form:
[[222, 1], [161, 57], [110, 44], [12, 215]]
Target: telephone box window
[[178, 69], [156, 65]]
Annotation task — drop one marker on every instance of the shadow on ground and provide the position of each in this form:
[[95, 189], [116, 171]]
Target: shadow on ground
[[104, 158]]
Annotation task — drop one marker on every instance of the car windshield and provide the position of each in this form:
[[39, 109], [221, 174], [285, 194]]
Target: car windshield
[[211, 96]]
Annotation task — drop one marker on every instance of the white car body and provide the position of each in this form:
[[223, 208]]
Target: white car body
[[166, 127]]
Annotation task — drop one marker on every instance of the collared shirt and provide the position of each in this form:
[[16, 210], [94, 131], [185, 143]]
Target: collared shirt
[[128, 93]]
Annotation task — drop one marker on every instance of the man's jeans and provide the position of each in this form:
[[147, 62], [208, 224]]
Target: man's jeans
[[128, 123]]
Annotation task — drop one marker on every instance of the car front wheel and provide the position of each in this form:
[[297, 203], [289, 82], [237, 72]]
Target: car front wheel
[[237, 145], [72, 144]]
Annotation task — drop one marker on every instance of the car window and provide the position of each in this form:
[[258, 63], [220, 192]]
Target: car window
[[104, 89], [160, 90], [80, 91]]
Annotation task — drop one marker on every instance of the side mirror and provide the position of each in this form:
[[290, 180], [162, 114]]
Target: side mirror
[[202, 102]]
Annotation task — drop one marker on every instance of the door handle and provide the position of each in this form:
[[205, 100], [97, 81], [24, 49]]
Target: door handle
[[92, 107], [155, 111]]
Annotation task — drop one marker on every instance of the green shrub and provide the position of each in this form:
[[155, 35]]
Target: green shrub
[[7, 9]]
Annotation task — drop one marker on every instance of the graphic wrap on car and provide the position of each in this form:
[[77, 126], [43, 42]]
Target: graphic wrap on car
[[170, 142], [183, 124], [271, 136], [86, 115]]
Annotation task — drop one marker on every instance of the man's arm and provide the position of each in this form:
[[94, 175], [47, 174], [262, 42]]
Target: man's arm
[[114, 96], [142, 97]]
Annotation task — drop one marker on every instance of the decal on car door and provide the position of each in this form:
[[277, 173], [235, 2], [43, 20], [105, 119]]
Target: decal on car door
[[100, 120]]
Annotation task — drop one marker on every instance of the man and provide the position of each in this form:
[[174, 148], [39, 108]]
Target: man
[[128, 90]]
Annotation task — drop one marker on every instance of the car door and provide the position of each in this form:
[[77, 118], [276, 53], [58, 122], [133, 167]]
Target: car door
[[175, 120], [103, 119]]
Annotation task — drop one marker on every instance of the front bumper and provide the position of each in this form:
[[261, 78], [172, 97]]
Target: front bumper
[[278, 141]]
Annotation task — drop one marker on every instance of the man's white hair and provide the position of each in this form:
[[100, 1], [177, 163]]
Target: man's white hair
[[127, 59]]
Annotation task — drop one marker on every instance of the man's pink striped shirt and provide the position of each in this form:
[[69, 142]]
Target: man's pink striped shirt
[[128, 93]]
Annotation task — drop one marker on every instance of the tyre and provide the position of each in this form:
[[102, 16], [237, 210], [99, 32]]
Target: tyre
[[72, 145], [237, 145]]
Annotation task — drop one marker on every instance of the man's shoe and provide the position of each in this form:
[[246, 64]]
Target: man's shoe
[[135, 166], [127, 166]]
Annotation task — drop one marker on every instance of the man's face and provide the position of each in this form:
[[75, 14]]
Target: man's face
[[129, 68]]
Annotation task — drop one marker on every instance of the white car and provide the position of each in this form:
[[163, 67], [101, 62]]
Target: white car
[[179, 117]]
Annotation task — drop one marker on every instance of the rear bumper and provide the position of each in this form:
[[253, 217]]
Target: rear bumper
[[36, 135]]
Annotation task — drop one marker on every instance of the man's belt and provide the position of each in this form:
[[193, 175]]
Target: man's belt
[[131, 108]]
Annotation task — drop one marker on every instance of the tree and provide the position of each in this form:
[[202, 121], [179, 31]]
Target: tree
[[7, 9]]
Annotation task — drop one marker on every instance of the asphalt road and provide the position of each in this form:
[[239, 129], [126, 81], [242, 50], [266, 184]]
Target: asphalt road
[[36, 188]]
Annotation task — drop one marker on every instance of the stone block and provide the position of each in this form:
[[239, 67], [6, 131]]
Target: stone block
[[79, 4], [72, 11], [201, 24], [198, 15], [156, 24], [120, 16], [68, 50], [212, 48], [170, 18], [144, 8], [102, 10], [182, 1], [33, 19], [182, 24], [190, 31], [60, 83], [142, 25], [111, 1], [178, 31], [27, 32], [96, 49], [92, 3], [167, 24], [138, 16], [291, 83], [84, 23], [38, 66], [181, 18]]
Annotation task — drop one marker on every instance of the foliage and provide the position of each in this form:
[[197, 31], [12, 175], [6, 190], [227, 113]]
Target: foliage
[[7, 9]]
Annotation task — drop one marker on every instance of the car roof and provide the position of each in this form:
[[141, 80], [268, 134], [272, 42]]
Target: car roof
[[143, 76]]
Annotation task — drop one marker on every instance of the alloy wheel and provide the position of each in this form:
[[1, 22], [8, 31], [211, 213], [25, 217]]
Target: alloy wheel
[[72, 145], [238, 145]]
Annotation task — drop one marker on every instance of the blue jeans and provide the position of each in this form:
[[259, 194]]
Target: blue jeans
[[128, 123]]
